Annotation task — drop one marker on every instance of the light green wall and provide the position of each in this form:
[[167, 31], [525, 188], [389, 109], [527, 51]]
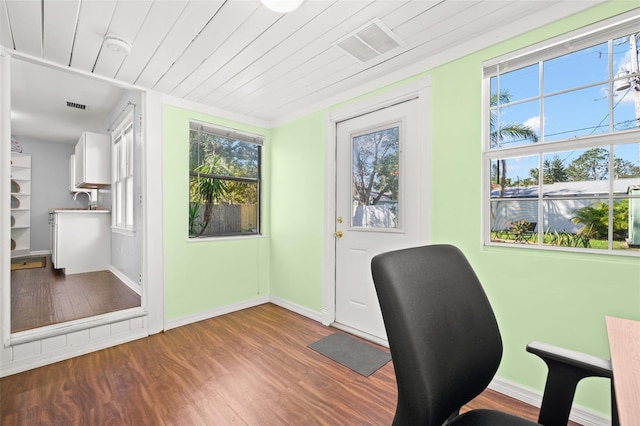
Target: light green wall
[[297, 201], [559, 298], [204, 275]]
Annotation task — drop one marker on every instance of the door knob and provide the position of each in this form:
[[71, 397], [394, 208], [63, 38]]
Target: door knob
[[338, 234]]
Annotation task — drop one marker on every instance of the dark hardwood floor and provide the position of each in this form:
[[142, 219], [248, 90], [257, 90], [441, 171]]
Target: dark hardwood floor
[[44, 296], [250, 367]]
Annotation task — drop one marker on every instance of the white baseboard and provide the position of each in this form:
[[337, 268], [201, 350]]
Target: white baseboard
[[39, 252], [122, 277], [200, 316], [301, 310], [580, 415]]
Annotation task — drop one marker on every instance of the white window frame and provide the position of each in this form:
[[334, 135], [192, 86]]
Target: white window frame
[[580, 39], [256, 139], [122, 171]]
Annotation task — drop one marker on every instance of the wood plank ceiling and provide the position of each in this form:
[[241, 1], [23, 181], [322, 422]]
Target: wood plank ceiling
[[239, 56]]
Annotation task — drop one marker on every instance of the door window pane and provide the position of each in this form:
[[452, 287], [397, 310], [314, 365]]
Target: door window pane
[[375, 183]]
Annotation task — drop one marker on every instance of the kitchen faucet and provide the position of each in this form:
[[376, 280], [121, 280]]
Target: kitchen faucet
[[88, 196]]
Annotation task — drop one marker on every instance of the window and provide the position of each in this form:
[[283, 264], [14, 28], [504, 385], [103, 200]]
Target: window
[[122, 171], [224, 182], [561, 157], [375, 169]]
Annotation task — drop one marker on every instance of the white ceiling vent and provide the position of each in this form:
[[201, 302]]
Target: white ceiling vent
[[369, 41]]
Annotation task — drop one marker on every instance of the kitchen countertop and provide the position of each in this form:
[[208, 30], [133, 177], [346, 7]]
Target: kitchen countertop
[[75, 210]]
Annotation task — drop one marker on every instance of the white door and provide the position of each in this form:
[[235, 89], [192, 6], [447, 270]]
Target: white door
[[377, 206]]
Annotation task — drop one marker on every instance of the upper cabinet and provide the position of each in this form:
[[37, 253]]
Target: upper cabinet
[[72, 175], [93, 161]]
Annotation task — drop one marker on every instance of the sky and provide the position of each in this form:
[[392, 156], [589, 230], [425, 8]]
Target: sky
[[575, 99]]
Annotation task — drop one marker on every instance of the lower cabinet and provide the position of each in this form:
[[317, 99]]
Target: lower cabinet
[[81, 240]]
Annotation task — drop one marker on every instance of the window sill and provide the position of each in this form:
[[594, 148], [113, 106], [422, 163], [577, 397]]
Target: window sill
[[552, 249], [225, 238]]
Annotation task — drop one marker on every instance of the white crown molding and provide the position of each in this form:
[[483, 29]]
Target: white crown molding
[[217, 112], [50, 64]]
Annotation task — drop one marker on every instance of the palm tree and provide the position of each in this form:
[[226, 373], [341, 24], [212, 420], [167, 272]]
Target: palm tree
[[595, 219], [511, 130], [205, 188]]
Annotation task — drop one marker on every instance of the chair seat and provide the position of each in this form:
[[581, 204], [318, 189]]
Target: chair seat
[[489, 418]]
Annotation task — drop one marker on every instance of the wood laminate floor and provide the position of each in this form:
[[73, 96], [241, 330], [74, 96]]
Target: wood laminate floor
[[44, 296], [250, 367]]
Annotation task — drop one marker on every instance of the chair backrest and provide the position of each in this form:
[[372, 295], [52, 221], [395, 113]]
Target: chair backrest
[[443, 335]]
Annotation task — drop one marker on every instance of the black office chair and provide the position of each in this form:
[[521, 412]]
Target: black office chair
[[446, 346]]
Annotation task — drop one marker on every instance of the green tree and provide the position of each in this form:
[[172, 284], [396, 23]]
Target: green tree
[[595, 219], [593, 164], [375, 166], [528, 182], [554, 170], [222, 170], [510, 130], [625, 169], [205, 189]]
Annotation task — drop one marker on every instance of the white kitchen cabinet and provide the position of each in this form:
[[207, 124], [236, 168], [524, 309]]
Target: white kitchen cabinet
[[72, 175], [93, 161], [81, 240], [20, 204]]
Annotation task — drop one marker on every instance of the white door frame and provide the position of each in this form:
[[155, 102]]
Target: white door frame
[[420, 89], [152, 309]]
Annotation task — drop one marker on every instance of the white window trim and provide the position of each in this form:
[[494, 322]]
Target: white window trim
[[239, 135], [565, 43], [121, 130], [561, 45]]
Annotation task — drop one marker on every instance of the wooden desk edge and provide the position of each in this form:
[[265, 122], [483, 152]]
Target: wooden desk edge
[[624, 344]]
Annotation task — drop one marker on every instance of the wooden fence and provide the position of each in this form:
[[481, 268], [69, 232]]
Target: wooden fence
[[231, 219]]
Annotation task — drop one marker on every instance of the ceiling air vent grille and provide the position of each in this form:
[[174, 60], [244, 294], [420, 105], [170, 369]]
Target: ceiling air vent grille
[[369, 41], [76, 105]]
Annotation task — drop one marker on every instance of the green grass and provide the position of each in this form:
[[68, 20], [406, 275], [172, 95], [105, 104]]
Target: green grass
[[568, 241]]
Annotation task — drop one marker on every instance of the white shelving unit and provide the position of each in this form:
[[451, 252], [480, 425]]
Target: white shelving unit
[[20, 204]]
